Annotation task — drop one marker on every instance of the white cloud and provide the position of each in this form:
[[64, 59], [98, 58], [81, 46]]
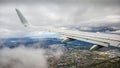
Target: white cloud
[[23, 57], [55, 13], [106, 19]]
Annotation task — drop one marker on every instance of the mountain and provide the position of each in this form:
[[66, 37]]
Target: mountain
[[39, 42]]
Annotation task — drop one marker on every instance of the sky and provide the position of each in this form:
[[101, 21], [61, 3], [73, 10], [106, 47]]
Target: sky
[[63, 13]]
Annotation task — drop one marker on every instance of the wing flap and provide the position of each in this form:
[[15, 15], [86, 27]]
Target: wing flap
[[89, 40]]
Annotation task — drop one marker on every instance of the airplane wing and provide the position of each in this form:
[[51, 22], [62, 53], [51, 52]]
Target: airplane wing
[[98, 39]]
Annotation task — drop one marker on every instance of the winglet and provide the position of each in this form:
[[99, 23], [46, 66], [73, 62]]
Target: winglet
[[22, 18]]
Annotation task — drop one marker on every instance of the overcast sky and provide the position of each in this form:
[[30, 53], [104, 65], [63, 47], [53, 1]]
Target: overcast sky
[[88, 13]]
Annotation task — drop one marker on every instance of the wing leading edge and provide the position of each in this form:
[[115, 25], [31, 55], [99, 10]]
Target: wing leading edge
[[99, 39]]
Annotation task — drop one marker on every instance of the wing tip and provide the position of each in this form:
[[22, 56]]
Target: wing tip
[[21, 17]]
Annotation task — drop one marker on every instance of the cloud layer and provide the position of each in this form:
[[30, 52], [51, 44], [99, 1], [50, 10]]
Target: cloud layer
[[80, 13], [23, 57]]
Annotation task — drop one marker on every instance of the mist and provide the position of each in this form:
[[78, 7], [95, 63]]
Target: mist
[[28, 57]]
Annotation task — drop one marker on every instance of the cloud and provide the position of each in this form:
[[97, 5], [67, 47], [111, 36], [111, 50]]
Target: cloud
[[23, 57], [62, 1], [58, 13]]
